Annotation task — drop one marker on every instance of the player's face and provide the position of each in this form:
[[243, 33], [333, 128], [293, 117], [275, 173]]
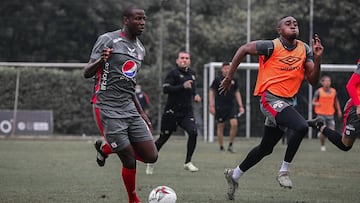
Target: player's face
[[183, 60], [288, 28], [136, 22], [225, 70], [326, 82]]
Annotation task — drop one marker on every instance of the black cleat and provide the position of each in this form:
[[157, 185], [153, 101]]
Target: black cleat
[[100, 156], [316, 123]]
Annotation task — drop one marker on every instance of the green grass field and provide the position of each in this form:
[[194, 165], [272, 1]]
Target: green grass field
[[66, 171]]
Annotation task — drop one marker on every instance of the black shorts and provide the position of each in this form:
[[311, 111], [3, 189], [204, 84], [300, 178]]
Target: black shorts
[[170, 120], [224, 113]]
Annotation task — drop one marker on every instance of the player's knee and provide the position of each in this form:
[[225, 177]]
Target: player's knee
[[302, 129]]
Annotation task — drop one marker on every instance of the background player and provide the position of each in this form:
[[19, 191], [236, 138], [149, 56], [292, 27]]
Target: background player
[[180, 85], [351, 127], [325, 103], [225, 107]]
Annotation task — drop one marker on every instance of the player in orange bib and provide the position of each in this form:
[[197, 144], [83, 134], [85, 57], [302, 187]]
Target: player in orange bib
[[325, 103], [282, 65]]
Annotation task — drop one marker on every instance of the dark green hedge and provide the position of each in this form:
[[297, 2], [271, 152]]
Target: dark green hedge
[[65, 92]]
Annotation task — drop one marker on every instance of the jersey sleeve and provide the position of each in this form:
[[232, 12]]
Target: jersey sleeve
[[309, 53], [351, 87], [265, 47]]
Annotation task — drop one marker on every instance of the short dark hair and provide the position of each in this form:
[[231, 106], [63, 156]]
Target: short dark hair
[[225, 64], [128, 11]]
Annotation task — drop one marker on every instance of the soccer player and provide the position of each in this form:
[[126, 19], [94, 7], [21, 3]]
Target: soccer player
[[283, 63], [180, 85], [325, 103], [114, 62], [351, 129], [225, 107]]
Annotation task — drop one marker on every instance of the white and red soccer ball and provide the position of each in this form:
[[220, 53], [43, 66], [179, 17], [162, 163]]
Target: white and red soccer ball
[[162, 194]]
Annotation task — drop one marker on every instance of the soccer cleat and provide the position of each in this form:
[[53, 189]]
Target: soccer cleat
[[190, 167], [323, 148], [284, 179], [100, 156], [316, 123], [231, 149], [232, 184], [149, 169]]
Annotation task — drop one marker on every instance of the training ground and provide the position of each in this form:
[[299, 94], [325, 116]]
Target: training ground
[[64, 170]]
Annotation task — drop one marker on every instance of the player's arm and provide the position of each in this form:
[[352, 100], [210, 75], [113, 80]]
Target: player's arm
[[249, 48], [212, 101], [312, 67], [239, 101], [315, 100], [353, 82], [141, 111], [170, 85], [337, 107]]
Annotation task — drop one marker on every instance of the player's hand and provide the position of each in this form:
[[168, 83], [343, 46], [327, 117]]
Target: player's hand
[[105, 54], [197, 98], [317, 46], [188, 84], [147, 120], [212, 109], [225, 85]]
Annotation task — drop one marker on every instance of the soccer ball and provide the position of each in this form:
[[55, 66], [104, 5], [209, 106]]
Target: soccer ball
[[162, 194]]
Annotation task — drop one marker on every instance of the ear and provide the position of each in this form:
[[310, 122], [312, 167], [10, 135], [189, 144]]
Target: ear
[[278, 30]]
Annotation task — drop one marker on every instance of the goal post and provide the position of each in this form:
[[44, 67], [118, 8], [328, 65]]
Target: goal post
[[209, 74]]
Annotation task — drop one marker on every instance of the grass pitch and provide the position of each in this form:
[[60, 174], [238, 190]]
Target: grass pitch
[[65, 171]]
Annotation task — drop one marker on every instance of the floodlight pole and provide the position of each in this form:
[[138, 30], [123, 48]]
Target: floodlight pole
[[310, 107], [248, 93], [187, 42]]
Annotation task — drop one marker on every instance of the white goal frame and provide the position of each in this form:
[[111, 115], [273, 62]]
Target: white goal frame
[[209, 75]]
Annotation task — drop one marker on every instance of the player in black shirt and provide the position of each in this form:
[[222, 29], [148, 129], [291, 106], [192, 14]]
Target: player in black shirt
[[225, 107], [180, 86]]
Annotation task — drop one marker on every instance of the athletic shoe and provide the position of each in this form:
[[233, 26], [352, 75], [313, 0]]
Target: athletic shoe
[[316, 123], [100, 156], [284, 179], [190, 167], [231, 149], [149, 169], [232, 184], [323, 148]]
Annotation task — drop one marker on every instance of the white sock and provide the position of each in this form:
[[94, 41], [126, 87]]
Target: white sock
[[237, 173], [285, 166]]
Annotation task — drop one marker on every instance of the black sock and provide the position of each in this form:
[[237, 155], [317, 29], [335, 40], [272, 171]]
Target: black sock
[[335, 138]]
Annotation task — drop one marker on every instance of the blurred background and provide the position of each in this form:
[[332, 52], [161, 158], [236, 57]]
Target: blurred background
[[64, 32]]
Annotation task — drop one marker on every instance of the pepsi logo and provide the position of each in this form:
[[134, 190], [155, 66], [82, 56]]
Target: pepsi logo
[[129, 69]]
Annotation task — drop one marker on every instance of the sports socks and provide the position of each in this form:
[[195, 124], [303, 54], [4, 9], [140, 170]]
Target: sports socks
[[129, 178], [285, 166], [237, 173], [335, 138], [106, 149]]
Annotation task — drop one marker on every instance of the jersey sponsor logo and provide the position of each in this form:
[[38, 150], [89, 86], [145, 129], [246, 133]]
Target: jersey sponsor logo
[[129, 69], [104, 77], [290, 60]]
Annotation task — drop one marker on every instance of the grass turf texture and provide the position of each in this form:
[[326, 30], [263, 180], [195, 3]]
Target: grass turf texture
[[66, 171]]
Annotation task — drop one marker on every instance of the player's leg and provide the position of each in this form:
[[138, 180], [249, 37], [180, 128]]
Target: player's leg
[[220, 134], [168, 125], [189, 125], [232, 134], [102, 147], [290, 118], [117, 134], [270, 138]]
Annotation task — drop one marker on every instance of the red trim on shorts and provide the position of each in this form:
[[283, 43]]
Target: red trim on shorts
[[346, 114], [267, 105], [98, 120]]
